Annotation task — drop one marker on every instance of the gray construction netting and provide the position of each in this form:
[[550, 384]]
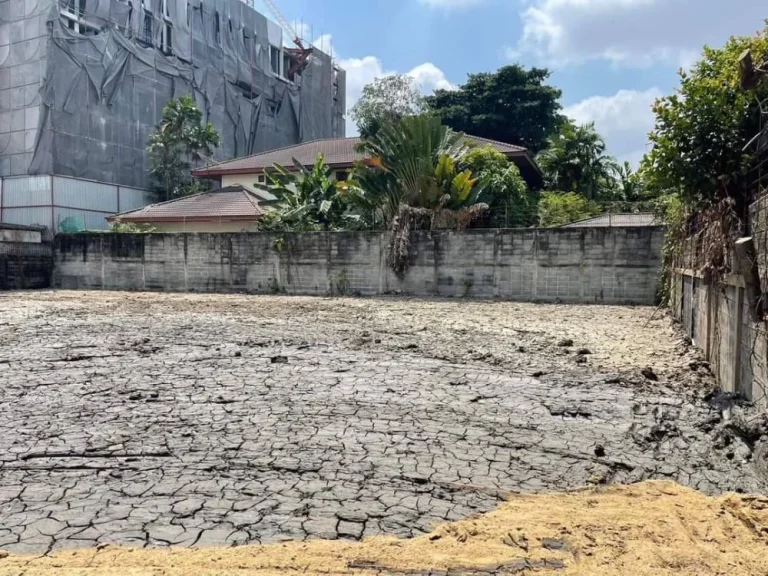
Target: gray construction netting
[[104, 90]]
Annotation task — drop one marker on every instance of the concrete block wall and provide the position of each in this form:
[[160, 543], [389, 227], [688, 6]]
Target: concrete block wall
[[616, 265]]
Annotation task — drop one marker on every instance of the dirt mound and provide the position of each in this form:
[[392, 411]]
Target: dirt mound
[[650, 528]]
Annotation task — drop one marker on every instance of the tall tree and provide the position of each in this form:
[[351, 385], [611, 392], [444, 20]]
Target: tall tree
[[701, 131], [387, 101], [180, 140], [575, 161], [513, 105]]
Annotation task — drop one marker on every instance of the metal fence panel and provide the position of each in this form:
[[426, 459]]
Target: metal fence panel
[[83, 194], [27, 191], [133, 198], [27, 216]]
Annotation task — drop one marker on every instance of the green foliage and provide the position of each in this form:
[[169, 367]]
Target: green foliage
[[575, 161], [417, 163], [510, 202], [307, 200], [631, 186], [387, 101], [701, 131], [557, 208], [180, 140], [119, 227], [674, 215], [513, 105]]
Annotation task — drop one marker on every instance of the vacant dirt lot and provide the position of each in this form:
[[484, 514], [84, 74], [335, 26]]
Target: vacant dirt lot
[[148, 419]]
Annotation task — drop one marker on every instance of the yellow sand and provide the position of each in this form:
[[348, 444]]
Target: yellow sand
[[652, 528]]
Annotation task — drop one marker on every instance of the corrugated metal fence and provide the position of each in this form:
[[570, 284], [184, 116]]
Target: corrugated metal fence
[[50, 200]]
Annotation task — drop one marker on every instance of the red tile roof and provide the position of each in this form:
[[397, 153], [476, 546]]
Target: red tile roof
[[337, 152], [230, 204]]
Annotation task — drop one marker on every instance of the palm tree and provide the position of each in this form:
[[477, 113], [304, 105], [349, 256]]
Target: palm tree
[[575, 161], [412, 177], [629, 182]]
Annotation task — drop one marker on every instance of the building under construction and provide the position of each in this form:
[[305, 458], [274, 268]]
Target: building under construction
[[83, 84]]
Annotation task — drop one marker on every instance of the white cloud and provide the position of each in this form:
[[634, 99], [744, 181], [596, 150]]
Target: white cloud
[[429, 78], [623, 119], [634, 33]]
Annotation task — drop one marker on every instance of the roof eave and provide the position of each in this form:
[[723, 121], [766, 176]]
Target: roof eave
[[182, 219]]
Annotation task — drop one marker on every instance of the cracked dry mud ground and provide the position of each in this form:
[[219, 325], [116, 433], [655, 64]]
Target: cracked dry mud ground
[[152, 419]]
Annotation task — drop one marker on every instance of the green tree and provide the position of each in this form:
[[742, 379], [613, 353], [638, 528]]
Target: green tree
[[629, 182], [386, 101], [575, 161], [557, 208], [510, 202], [701, 131], [180, 140], [307, 200], [513, 105]]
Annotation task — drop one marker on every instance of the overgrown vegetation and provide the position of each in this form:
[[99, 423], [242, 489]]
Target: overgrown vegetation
[[559, 208], [119, 227], [510, 202], [307, 200], [701, 168], [179, 141]]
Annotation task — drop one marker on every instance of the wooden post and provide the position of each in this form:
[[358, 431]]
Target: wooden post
[[746, 265], [736, 375]]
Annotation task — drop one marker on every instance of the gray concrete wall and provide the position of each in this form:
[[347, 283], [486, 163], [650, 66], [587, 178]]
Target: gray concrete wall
[[602, 265], [717, 318]]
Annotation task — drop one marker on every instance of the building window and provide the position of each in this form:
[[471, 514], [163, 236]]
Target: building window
[[342, 175], [261, 179], [166, 39], [74, 14], [146, 29], [274, 59], [166, 9]]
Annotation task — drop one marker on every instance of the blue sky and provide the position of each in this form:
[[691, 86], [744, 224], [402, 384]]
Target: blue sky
[[611, 58]]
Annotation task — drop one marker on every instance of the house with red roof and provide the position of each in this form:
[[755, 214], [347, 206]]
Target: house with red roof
[[230, 209], [340, 154]]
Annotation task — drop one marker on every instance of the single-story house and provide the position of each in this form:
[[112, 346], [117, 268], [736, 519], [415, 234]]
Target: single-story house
[[230, 209], [340, 154], [629, 220]]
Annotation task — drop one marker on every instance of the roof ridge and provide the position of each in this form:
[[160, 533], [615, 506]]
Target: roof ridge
[[250, 196], [273, 150]]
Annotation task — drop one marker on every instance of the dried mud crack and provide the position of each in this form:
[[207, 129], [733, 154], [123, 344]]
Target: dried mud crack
[[151, 420]]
